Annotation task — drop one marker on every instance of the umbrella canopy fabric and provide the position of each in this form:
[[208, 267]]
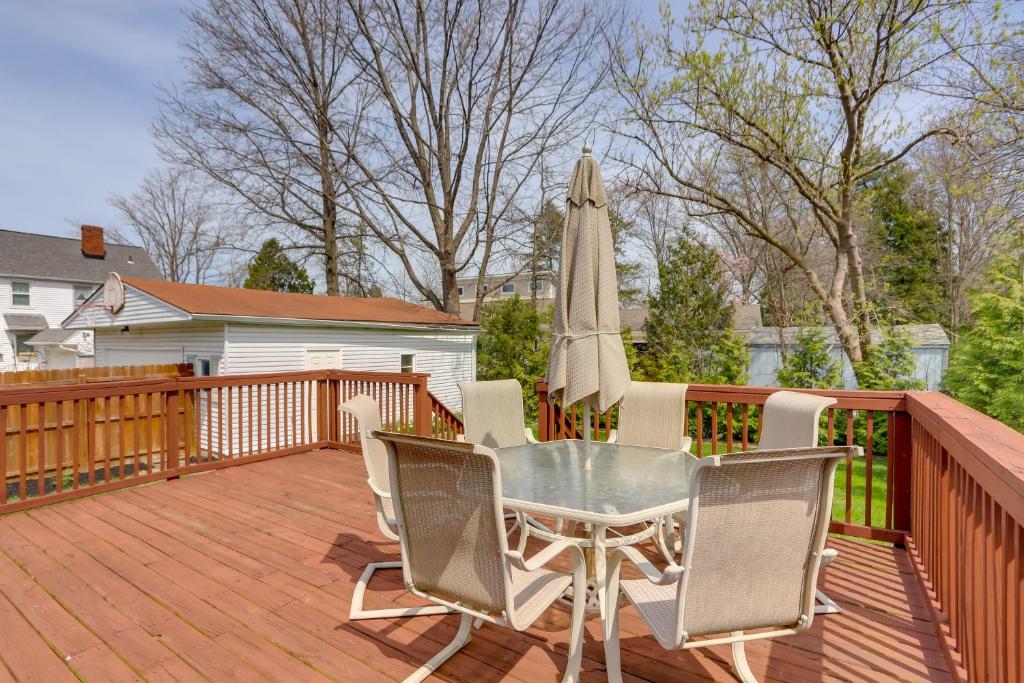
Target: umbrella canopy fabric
[[587, 361]]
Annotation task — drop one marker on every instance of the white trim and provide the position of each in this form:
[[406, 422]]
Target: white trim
[[317, 322]]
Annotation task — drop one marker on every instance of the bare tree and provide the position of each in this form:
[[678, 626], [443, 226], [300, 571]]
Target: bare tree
[[179, 222], [460, 103], [810, 90], [262, 112], [977, 201]]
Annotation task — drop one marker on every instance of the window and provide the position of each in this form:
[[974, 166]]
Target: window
[[21, 348], [508, 288], [20, 294], [537, 287], [460, 291], [408, 362], [82, 293]]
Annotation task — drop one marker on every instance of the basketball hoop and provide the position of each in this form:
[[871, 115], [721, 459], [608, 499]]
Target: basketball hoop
[[92, 313], [113, 293]]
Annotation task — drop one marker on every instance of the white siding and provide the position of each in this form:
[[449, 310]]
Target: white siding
[[139, 308], [172, 342], [449, 357], [53, 300]]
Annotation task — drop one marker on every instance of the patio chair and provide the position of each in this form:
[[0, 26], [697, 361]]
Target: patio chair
[[652, 414], [790, 420], [367, 415], [492, 414], [756, 528], [452, 531]]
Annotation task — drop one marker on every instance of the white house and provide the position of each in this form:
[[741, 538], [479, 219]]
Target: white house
[[226, 330], [42, 280]]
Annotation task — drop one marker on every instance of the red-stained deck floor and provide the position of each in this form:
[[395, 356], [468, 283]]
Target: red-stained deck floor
[[246, 574]]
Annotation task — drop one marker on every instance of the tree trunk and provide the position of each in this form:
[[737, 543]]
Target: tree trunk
[[450, 289]]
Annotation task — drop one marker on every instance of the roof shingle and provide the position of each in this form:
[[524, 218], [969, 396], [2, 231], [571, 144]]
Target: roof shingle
[[60, 258], [209, 300]]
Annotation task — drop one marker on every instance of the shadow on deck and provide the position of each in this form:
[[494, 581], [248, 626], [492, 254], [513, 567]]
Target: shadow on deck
[[246, 574]]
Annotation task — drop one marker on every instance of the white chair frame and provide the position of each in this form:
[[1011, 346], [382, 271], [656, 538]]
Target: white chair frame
[[680, 573], [511, 558], [388, 527]]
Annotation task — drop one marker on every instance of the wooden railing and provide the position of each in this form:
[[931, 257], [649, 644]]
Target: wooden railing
[[952, 482], [67, 441], [872, 495], [446, 425], [967, 533]]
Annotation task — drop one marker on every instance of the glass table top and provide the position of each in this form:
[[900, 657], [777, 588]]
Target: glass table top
[[625, 485]]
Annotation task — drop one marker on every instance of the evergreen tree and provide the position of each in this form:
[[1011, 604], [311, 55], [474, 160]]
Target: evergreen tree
[[514, 344], [910, 251], [986, 366], [809, 364], [689, 327], [890, 366], [272, 269]]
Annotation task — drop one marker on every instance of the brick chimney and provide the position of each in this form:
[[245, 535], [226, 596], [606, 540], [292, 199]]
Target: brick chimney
[[92, 242]]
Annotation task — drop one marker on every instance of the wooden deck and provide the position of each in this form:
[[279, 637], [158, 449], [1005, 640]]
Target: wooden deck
[[246, 573]]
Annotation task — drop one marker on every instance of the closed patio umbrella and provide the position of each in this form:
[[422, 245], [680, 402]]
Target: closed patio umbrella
[[587, 362]]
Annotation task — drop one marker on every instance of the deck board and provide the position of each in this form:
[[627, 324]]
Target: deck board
[[246, 573]]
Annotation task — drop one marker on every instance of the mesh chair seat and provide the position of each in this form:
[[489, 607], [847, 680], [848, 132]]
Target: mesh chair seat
[[387, 506], [533, 592], [656, 605]]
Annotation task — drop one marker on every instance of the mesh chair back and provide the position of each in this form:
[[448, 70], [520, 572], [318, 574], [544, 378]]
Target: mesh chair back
[[790, 419], [492, 413], [652, 414], [448, 502], [754, 540], [375, 456]]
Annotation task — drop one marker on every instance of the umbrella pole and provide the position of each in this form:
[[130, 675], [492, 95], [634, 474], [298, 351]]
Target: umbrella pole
[[588, 461]]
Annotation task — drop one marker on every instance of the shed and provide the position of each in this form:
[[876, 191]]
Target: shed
[[227, 330], [929, 344]]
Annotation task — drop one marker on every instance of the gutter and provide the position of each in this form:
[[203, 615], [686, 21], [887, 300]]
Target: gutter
[[309, 322]]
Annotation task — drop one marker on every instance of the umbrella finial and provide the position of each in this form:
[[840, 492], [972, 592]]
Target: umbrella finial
[[587, 149]]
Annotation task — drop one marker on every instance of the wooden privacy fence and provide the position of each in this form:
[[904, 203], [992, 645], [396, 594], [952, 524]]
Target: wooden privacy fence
[[97, 374], [64, 441], [953, 486]]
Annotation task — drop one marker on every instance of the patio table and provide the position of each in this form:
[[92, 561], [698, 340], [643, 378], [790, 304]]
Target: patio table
[[625, 485]]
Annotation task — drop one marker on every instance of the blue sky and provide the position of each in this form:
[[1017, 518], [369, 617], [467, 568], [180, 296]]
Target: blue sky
[[78, 90], [77, 93]]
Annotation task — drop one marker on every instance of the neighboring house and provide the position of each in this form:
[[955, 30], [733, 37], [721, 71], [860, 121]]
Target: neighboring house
[[225, 330], [504, 286], [929, 344], [42, 280]]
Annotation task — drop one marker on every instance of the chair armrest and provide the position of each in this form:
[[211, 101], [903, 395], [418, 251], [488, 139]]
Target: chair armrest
[[545, 556], [529, 435], [687, 442], [671, 574], [613, 436]]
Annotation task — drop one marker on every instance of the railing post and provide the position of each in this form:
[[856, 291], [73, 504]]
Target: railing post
[[171, 454], [322, 411], [421, 410], [543, 411], [901, 475]]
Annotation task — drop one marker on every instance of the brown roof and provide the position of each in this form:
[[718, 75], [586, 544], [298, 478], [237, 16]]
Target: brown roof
[[255, 303]]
